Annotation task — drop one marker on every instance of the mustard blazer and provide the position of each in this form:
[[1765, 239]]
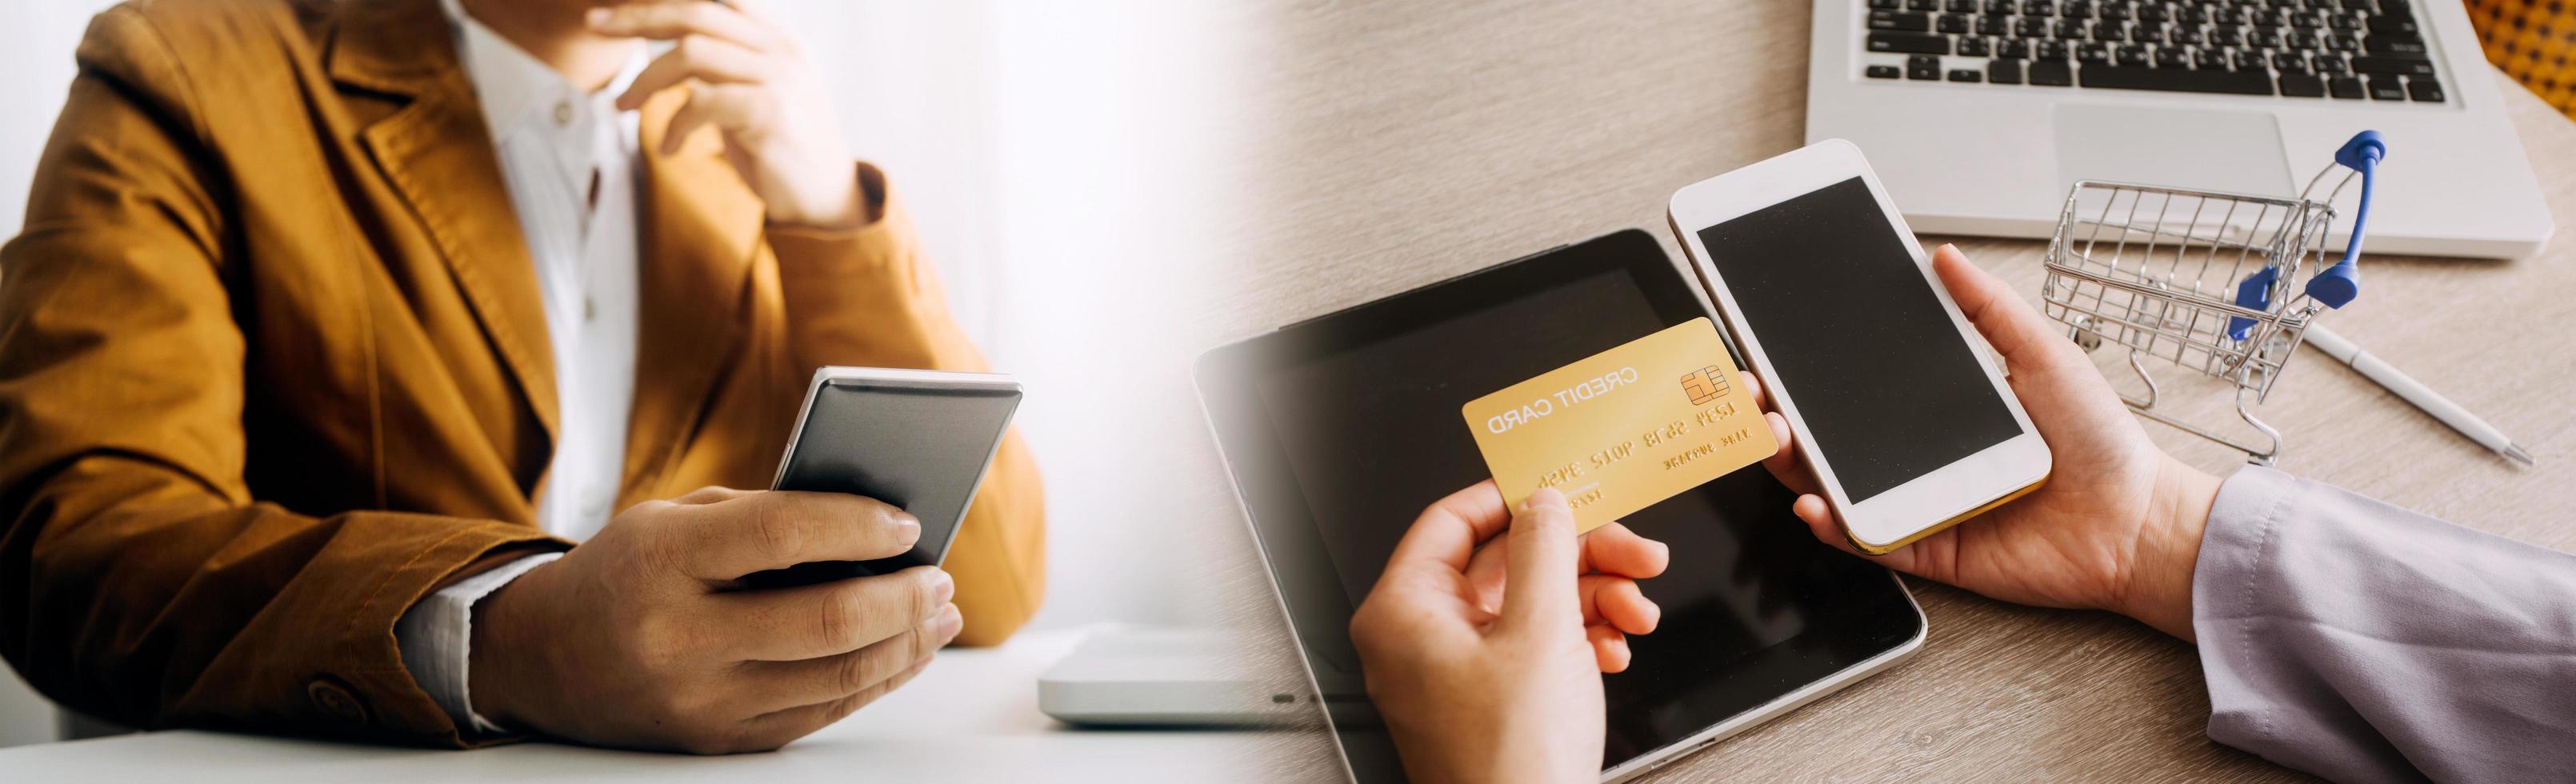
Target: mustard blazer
[[273, 365]]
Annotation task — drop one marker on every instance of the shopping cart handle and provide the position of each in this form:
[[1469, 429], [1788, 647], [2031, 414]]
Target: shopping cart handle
[[2336, 286]]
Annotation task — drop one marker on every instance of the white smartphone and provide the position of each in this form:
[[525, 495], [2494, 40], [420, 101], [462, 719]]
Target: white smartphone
[[1896, 404]]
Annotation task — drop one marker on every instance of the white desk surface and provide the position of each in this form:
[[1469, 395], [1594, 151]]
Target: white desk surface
[[972, 716]]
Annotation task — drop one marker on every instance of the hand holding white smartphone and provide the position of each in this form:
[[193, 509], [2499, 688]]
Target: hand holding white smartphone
[[1904, 417]]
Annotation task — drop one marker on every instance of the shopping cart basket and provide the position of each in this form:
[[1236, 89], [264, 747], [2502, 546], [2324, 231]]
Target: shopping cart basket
[[2206, 280]]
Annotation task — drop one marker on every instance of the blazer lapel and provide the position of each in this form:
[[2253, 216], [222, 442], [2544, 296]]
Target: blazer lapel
[[438, 155], [701, 231]]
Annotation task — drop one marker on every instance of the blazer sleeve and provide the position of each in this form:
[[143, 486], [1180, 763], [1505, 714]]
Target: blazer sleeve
[[2363, 642], [141, 581], [865, 297]]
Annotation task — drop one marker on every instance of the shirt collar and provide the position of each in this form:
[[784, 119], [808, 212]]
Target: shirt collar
[[519, 91]]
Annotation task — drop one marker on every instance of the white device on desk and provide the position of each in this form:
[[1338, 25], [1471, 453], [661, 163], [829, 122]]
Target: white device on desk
[[1908, 426], [1981, 113], [1162, 677]]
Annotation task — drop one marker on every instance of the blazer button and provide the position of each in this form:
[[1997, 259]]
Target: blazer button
[[336, 700]]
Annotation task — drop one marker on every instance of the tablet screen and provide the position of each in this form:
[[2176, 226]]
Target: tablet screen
[[1342, 429]]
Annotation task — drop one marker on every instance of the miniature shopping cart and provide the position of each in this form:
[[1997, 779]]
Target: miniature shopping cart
[[2206, 280]]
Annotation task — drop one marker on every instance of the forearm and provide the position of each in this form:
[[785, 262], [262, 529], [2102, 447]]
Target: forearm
[[2363, 642], [149, 601]]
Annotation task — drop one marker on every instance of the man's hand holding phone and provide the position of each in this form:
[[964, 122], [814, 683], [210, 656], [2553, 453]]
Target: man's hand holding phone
[[1483, 649], [641, 637], [2117, 528]]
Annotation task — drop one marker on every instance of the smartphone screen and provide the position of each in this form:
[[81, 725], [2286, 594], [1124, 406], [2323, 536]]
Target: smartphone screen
[[1888, 388]]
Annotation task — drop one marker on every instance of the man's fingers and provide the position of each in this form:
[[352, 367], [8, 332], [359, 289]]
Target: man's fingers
[[772, 730], [772, 529], [729, 107], [663, 21], [2027, 339], [826, 619], [1615, 549], [777, 685], [1784, 464], [711, 494], [1448, 531], [1819, 518], [1609, 648], [1539, 588], [1618, 602], [709, 60]]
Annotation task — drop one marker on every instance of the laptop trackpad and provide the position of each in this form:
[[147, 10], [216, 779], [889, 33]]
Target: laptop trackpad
[[2182, 148]]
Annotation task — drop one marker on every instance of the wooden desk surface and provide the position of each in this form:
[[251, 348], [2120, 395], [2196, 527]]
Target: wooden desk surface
[[1395, 144]]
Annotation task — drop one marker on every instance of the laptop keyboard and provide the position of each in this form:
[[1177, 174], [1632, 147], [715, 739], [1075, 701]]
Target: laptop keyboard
[[2351, 50]]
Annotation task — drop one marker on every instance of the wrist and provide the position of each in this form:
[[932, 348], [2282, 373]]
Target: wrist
[[498, 667], [2167, 552]]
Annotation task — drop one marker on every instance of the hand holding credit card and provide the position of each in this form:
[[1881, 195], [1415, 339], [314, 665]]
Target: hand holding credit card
[[1620, 430]]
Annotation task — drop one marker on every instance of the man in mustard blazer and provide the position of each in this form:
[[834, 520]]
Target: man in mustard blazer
[[333, 324]]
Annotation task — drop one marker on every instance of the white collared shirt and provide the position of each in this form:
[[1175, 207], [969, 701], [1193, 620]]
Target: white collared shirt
[[570, 161]]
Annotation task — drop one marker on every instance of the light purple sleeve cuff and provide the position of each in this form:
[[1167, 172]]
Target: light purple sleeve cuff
[[437, 635], [2362, 642]]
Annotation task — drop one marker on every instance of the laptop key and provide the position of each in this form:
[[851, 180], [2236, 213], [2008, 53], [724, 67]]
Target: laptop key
[[2093, 52], [1909, 43], [2121, 78], [2049, 50], [2423, 88], [2209, 59], [2003, 71], [1994, 25], [1883, 72], [2388, 23], [1974, 47], [2393, 65], [2345, 87], [2385, 87], [1955, 24], [2290, 62], [2169, 57], [1923, 67], [1905, 21], [2299, 85], [1966, 75], [2012, 47], [2392, 45], [2249, 60], [2051, 73]]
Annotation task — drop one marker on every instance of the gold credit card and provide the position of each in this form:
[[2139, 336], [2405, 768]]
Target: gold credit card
[[1625, 428]]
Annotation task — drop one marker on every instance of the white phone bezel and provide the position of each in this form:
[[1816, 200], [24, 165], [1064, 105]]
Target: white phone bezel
[[1925, 503]]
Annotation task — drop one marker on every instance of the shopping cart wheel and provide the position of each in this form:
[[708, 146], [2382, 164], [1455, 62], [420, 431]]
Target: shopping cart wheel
[[2080, 330]]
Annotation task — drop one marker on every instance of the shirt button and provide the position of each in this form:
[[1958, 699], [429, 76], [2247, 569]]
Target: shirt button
[[336, 700], [563, 113]]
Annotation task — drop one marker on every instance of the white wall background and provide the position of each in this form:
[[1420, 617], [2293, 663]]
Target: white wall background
[[1059, 174]]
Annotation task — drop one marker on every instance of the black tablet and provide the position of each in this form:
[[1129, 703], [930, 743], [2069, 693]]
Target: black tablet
[[1340, 429]]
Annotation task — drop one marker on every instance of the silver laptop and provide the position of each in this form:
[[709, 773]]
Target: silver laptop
[[1980, 113]]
